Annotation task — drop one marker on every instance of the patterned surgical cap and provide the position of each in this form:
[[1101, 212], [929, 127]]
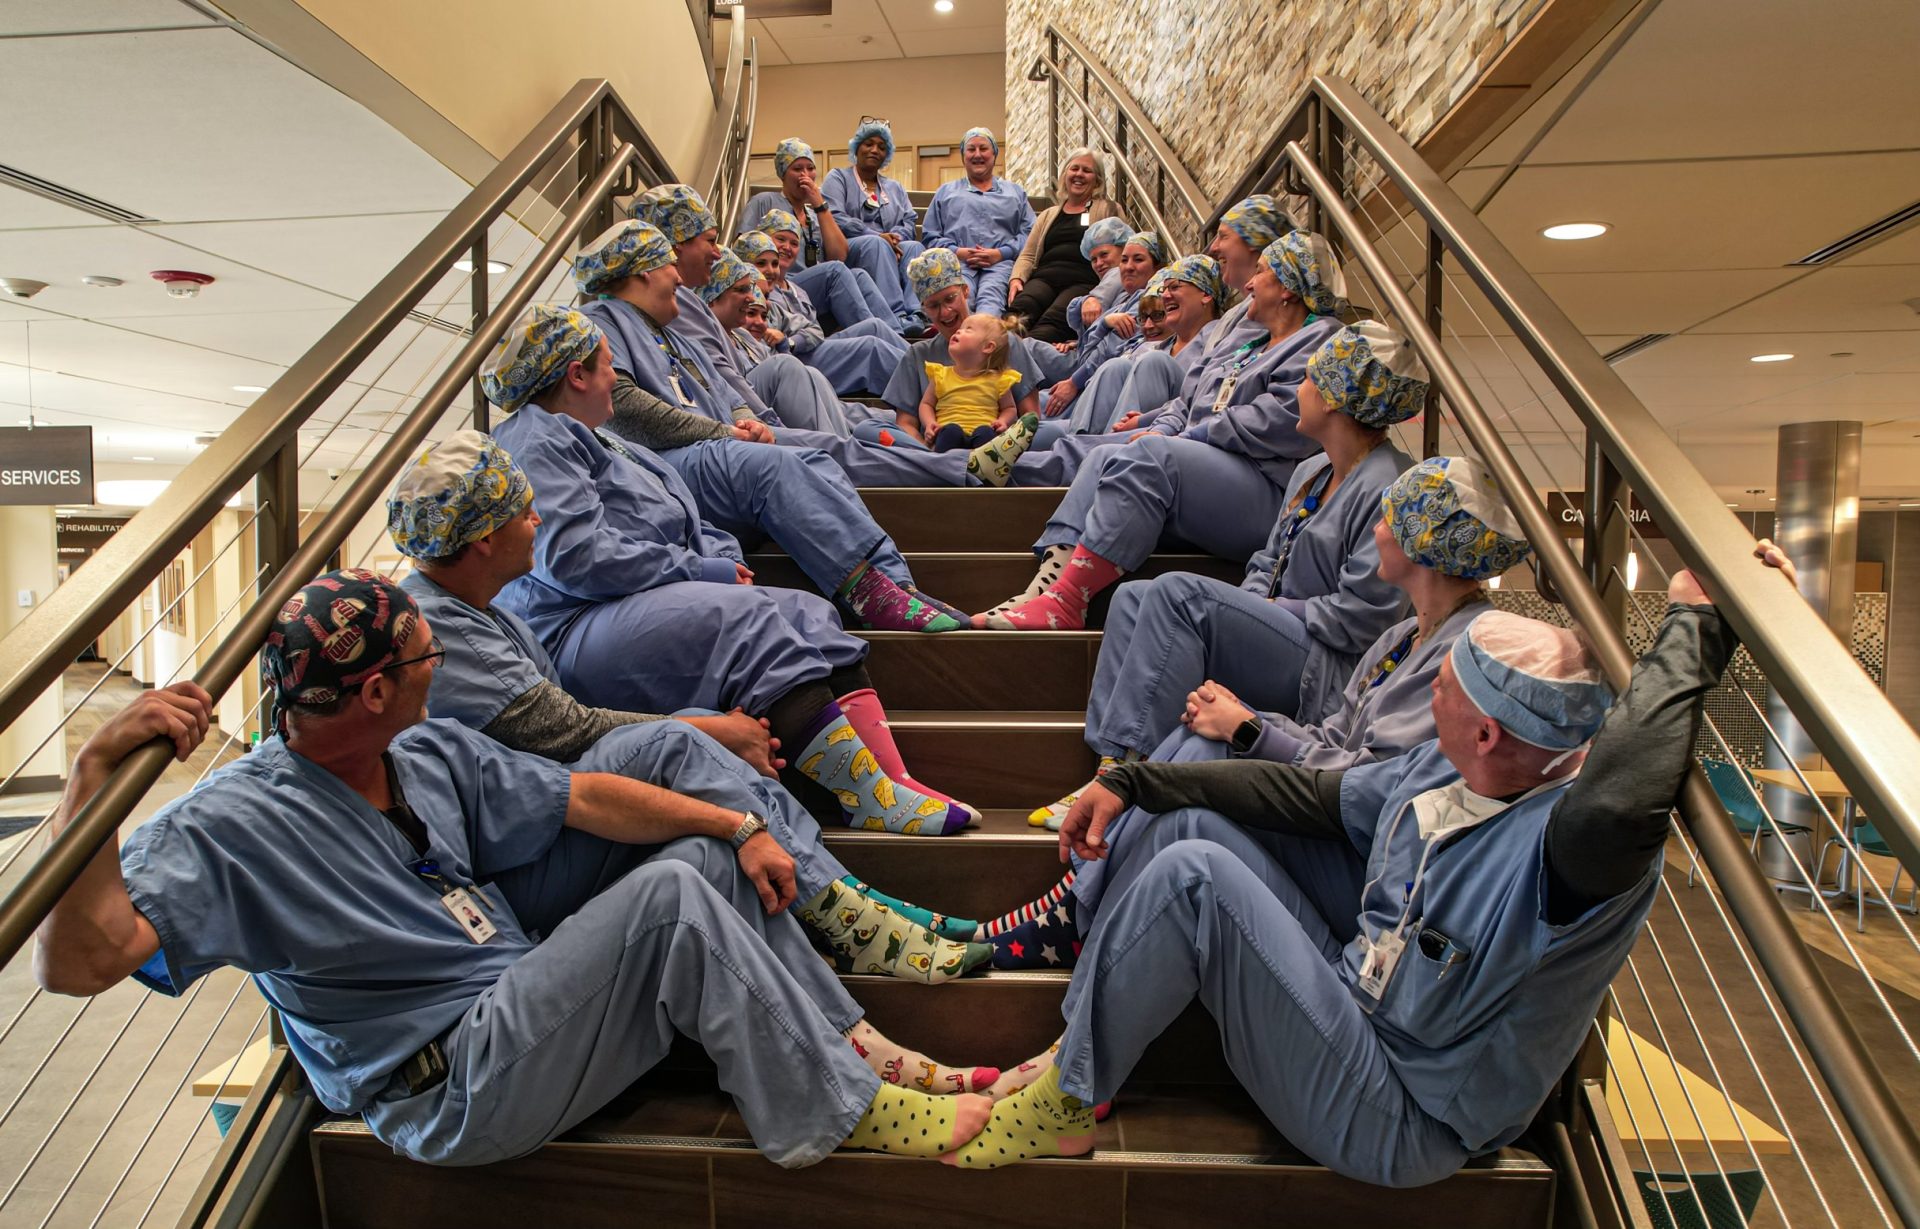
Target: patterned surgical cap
[[1371, 374], [1448, 514], [622, 250], [455, 493], [789, 152], [676, 211], [332, 636], [933, 271], [1258, 221], [729, 270], [536, 351], [1304, 263]]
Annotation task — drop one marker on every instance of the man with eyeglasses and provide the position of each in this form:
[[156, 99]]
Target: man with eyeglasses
[[473, 947]]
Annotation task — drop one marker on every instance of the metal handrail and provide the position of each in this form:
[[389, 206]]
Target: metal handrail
[[706, 176], [1172, 170]]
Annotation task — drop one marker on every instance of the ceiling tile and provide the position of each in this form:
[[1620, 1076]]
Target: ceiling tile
[[769, 47], [919, 15], [833, 50], [1636, 303], [54, 16], [1902, 248], [345, 255], [62, 257], [967, 40], [850, 18], [23, 210], [1838, 299]]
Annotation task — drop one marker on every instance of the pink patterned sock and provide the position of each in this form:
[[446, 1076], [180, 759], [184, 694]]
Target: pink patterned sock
[[1063, 606]]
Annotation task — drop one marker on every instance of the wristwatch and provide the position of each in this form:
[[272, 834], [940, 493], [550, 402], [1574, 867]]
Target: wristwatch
[[1247, 735], [822, 207], [751, 825]]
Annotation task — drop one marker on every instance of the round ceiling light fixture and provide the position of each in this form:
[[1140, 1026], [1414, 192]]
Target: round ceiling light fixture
[[182, 283], [943, 6], [20, 287], [1770, 358], [1576, 230]]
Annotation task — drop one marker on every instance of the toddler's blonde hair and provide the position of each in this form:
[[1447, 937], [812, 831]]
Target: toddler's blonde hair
[[996, 330]]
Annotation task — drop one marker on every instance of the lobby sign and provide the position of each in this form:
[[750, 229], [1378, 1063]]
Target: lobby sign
[[46, 465], [1567, 510]]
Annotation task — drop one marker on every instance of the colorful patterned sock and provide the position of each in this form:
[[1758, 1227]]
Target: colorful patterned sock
[[868, 717], [1015, 1078], [1054, 814], [992, 462], [1044, 903], [1049, 940], [868, 937], [946, 608], [882, 606], [1063, 607], [1053, 561], [959, 929], [1039, 1120], [909, 1123], [897, 1065], [836, 758]]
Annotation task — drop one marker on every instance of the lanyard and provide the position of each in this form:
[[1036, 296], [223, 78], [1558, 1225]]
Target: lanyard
[[677, 366], [1391, 662], [813, 239], [1308, 506]]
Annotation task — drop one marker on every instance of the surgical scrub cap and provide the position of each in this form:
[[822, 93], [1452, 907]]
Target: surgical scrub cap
[[933, 271], [334, 635], [872, 128], [1448, 514], [455, 493], [1371, 374], [727, 271], [1151, 242], [620, 251], [980, 132], [1536, 680], [676, 211], [751, 244], [1200, 272], [789, 152], [535, 353], [1258, 221], [778, 220], [1105, 232], [1304, 263]]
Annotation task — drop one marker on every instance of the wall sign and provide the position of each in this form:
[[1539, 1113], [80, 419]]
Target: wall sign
[[46, 465], [1567, 510]]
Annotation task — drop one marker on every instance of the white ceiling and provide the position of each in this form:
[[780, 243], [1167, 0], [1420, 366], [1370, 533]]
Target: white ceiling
[[882, 30], [1721, 147]]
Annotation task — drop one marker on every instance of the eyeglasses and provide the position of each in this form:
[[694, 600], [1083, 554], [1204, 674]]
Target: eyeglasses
[[435, 651], [1154, 316], [873, 119]]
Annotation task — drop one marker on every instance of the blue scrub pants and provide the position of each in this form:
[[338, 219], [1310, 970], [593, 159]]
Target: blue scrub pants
[[1153, 378], [801, 396], [906, 462], [860, 359], [1098, 404], [1126, 499], [987, 288], [874, 256], [694, 644], [845, 294], [796, 496], [1166, 636], [1260, 947], [680, 943], [1056, 457]]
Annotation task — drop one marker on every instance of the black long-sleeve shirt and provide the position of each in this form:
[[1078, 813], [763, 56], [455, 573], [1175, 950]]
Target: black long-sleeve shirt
[[1603, 832]]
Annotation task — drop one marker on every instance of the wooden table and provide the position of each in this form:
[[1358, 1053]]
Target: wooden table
[[1825, 782], [1663, 1104]]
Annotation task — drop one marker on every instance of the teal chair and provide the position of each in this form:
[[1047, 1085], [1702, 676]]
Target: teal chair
[[1867, 839], [1701, 1200], [1741, 796]]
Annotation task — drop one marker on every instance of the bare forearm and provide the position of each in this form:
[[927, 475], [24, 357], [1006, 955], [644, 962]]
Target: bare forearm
[[636, 813], [93, 936], [833, 240]]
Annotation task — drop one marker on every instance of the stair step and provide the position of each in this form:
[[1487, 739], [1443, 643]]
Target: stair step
[[962, 518], [976, 580], [987, 671], [998, 760], [981, 873], [674, 1145]]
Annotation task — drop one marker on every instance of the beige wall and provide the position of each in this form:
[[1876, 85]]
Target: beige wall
[[28, 562], [929, 101], [494, 67]]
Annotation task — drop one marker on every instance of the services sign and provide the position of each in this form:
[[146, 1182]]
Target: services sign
[[46, 465]]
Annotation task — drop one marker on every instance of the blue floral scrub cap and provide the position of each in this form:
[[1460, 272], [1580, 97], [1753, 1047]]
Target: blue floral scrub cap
[[728, 271], [1258, 221], [1448, 515], [626, 248], [933, 271], [980, 132], [1200, 272], [535, 352], [1371, 374], [753, 243], [1150, 241], [1304, 263], [789, 152], [778, 220], [455, 493], [676, 211]]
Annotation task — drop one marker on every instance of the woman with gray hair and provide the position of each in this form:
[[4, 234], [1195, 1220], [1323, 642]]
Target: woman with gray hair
[[1056, 265]]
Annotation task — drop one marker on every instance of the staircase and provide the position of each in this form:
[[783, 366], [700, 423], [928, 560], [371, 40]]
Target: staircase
[[996, 718]]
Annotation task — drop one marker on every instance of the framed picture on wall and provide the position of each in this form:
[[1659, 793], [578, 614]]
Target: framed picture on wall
[[173, 586]]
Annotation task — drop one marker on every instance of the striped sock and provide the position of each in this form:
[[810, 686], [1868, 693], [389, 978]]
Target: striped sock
[[1046, 903]]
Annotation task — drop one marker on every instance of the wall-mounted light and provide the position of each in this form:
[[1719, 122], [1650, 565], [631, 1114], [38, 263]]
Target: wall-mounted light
[[1633, 570], [943, 6]]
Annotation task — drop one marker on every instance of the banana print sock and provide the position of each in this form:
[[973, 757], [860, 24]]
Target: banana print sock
[[909, 1123], [959, 929], [868, 937], [898, 1065], [1054, 814], [1039, 1120], [870, 799], [992, 462]]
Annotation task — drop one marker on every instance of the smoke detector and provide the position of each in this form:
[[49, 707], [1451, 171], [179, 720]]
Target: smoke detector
[[180, 283], [20, 287]]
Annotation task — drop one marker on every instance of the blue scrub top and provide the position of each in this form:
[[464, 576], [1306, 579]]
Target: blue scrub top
[[652, 357], [1481, 1046], [493, 657], [610, 525], [275, 867], [893, 214], [963, 216], [760, 204]]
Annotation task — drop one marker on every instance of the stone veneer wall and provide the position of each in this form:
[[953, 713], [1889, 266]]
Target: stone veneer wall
[[1214, 76]]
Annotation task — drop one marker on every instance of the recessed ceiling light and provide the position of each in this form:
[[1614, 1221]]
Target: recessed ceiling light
[[1770, 358], [143, 458], [1576, 230], [943, 6], [249, 388], [493, 266]]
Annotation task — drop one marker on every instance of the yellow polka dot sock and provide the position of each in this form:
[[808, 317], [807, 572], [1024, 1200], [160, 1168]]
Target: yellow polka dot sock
[[1039, 1120], [909, 1123]]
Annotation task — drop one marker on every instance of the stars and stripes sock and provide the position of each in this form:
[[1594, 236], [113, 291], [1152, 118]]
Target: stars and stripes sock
[[1049, 941], [1045, 903]]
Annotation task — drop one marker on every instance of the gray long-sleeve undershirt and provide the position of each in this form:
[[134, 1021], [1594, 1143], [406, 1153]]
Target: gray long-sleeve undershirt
[[648, 421], [1604, 832], [546, 721]]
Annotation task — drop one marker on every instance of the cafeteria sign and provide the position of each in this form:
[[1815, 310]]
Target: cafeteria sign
[[46, 465]]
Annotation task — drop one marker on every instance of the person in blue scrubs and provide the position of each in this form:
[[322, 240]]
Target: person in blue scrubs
[[473, 947], [795, 395], [858, 357], [868, 204], [646, 607], [797, 496], [833, 268], [983, 219], [1404, 957], [1186, 295], [1212, 470], [1115, 330]]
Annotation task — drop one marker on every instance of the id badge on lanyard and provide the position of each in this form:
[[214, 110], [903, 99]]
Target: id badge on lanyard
[[679, 390], [1247, 354], [1224, 397], [459, 902]]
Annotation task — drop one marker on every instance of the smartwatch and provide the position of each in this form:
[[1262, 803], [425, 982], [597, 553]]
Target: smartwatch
[[751, 825], [823, 207], [1247, 735]]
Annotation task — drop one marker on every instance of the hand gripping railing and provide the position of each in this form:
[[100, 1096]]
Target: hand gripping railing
[[1875, 752], [1058, 65]]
